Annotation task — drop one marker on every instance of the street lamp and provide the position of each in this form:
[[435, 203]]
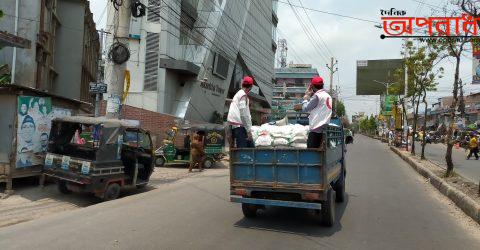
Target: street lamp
[[386, 84]]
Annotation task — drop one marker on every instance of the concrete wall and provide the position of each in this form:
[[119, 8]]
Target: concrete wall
[[28, 26], [69, 48], [7, 125]]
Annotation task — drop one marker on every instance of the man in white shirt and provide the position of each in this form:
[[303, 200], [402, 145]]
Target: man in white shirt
[[239, 116], [318, 103]]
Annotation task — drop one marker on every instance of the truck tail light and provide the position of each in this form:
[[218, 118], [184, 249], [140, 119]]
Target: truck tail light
[[240, 191], [311, 196]]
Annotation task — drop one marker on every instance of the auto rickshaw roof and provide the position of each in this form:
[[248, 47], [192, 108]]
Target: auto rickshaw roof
[[108, 123], [204, 126]]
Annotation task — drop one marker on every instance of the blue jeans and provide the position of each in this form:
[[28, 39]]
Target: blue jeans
[[240, 138]]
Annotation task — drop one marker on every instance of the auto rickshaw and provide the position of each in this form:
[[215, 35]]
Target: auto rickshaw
[[172, 154], [98, 155]]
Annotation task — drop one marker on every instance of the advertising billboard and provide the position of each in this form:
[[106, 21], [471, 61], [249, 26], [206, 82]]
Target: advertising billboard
[[34, 118], [475, 63], [372, 73]]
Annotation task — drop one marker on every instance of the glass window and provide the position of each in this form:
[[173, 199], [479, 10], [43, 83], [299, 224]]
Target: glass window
[[274, 33], [144, 141], [130, 138]]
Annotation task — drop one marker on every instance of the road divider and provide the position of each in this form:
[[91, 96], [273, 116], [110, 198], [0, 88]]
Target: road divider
[[464, 202]]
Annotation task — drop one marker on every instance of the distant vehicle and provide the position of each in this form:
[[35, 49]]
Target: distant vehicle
[[171, 154], [98, 155], [291, 177], [348, 136]]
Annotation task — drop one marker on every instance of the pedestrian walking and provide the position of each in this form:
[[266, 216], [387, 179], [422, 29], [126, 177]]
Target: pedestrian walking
[[391, 137], [197, 153], [473, 146]]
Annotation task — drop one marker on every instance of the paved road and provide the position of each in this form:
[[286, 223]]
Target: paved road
[[467, 168], [388, 207]]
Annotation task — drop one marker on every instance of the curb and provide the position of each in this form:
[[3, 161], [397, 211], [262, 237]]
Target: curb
[[467, 204]]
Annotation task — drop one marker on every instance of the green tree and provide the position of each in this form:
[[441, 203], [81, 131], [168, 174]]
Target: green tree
[[340, 108], [372, 124], [421, 62], [455, 48]]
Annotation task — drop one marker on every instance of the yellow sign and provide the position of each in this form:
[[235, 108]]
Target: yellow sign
[[397, 113], [127, 86]]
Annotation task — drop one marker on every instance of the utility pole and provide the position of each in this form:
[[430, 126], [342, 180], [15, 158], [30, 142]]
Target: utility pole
[[282, 45], [461, 105], [332, 68], [119, 55]]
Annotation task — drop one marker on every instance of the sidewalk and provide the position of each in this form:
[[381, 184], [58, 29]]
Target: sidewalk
[[469, 169], [31, 202], [460, 190]]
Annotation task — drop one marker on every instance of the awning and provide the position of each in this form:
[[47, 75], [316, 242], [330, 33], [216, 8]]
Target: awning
[[10, 40]]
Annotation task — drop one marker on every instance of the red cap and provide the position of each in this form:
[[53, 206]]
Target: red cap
[[317, 81], [247, 81]]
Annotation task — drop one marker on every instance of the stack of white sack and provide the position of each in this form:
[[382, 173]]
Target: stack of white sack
[[280, 136]]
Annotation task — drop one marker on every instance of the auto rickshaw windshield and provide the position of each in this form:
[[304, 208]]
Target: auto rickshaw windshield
[[75, 139]]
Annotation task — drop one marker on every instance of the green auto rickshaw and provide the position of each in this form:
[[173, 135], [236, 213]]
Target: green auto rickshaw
[[173, 153]]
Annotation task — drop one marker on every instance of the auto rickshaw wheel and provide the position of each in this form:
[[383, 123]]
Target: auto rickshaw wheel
[[62, 187], [208, 163], [249, 210], [327, 212], [112, 192], [159, 161]]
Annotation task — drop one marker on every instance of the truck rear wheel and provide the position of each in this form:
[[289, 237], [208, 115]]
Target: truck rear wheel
[[249, 210], [328, 209], [340, 188], [62, 187]]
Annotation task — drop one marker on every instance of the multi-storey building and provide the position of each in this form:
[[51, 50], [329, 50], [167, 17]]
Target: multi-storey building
[[48, 71], [64, 51], [291, 84], [189, 56]]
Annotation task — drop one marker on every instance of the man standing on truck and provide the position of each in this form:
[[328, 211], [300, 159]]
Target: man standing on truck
[[239, 116], [318, 103]]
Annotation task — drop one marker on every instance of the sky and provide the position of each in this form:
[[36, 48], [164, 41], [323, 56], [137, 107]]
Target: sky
[[347, 40]]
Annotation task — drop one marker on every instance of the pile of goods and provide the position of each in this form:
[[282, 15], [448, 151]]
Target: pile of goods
[[280, 136]]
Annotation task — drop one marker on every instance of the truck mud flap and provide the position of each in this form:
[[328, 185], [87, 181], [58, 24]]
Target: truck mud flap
[[276, 203]]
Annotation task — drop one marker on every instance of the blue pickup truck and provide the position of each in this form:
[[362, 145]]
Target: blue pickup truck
[[291, 177]]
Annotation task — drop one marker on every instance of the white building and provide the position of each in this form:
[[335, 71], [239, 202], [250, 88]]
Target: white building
[[178, 43]]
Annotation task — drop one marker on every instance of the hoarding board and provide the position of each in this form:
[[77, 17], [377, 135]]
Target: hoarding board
[[34, 122], [475, 63], [370, 72]]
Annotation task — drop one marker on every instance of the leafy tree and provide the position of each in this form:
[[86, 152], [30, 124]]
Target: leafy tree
[[372, 124], [455, 48], [340, 108], [421, 62], [217, 118]]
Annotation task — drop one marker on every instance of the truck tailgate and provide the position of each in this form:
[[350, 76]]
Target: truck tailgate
[[288, 168]]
